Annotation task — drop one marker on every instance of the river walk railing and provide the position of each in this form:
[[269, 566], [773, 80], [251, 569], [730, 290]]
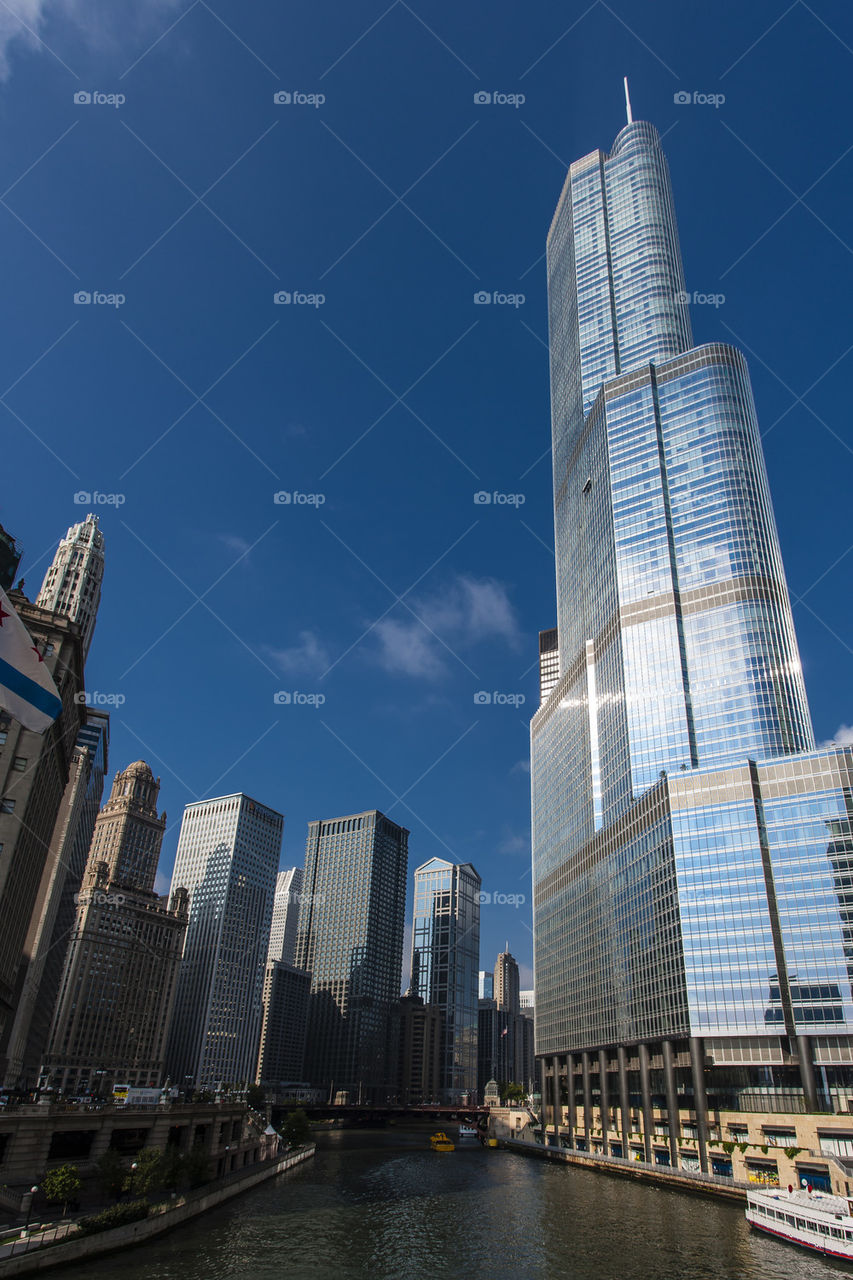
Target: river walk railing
[[625, 1162]]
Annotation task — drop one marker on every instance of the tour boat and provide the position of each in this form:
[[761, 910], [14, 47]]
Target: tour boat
[[808, 1218], [440, 1142], [468, 1131]]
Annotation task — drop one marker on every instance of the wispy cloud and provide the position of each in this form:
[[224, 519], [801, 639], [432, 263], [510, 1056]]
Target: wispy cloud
[[521, 766], [514, 844], [467, 612], [233, 541], [104, 24], [308, 657]]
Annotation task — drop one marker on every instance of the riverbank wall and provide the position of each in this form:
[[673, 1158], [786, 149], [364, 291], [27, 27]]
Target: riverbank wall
[[163, 1218]]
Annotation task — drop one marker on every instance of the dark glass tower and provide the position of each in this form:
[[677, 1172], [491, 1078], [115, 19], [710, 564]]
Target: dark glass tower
[[683, 823]]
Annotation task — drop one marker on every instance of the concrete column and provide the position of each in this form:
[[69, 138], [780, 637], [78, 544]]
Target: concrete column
[[671, 1102], [603, 1098], [543, 1089], [700, 1101], [807, 1075], [646, 1093], [570, 1091], [558, 1104], [587, 1100], [624, 1100]]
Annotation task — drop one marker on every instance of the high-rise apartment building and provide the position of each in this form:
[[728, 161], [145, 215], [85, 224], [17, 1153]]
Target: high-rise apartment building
[[55, 911], [350, 939], [285, 915], [692, 851], [34, 772], [118, 981], [505, 1038], [445, 965], [419, 1071], [227, 858], [506, 984], [72, 584]]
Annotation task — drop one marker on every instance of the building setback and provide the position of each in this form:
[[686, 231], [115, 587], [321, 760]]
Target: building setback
[[692, 851], [227, 858], [445, 965], [350, 938], [118, 981]]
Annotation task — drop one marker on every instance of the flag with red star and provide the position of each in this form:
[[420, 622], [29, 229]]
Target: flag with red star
[[27, 691]]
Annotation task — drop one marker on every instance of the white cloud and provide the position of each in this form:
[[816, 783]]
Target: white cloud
[[521, 766], [465, 613], [843, 737], [103, 24], [406, 649], [514, 844], [233, 542], [308, 657]]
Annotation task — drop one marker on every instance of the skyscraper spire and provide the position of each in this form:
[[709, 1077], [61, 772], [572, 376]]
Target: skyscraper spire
[[628, 110], [72, 584]]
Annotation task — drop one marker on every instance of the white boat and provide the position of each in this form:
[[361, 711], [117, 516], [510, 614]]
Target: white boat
[[808, 1218], [468, 1131]]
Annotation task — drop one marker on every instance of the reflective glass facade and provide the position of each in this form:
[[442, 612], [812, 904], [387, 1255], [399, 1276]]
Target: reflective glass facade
[[691, 849], [445, 965]]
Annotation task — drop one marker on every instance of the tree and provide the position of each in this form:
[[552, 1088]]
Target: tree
[[172, 1169], [148, 1174], [513, 1092], [62, 1184], [197, 1166], [256, 1097], [296, 1129], [111, 1173]]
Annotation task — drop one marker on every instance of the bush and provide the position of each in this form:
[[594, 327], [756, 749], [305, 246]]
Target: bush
[[117, 1216]]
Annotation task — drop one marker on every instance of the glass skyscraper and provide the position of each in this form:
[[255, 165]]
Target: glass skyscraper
[[446, 965], [227, 857], [350, 938], [692, 853]]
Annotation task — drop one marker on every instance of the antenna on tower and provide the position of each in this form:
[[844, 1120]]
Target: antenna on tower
[[628, 103]]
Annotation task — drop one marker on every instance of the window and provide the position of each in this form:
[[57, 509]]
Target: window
[[19, 763], [7, 806]]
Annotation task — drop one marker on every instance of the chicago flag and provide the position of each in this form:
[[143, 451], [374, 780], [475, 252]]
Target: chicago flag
[[27, 691]]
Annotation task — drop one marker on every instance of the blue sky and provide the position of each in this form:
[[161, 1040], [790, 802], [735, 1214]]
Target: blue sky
[[384, 587]]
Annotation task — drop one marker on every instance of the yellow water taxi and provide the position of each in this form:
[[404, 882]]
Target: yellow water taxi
[[440, 1142]]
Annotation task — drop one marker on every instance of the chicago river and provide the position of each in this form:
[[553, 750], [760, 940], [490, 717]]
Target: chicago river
[[379, 1203]]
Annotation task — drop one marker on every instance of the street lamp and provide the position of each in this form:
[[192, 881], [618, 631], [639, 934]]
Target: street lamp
[[26, 1227], [133, 1169]]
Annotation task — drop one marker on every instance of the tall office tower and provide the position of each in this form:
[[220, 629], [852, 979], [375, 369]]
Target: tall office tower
[[526, 1002], [285, 915], [55, 911], [420, 1051], [549, 662], [118, 981], [72, 584], [486, 985], [506, 986], [34, 771], [445, 965], [227, 858], [691, 849], [284, 1026], [350, 938]]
